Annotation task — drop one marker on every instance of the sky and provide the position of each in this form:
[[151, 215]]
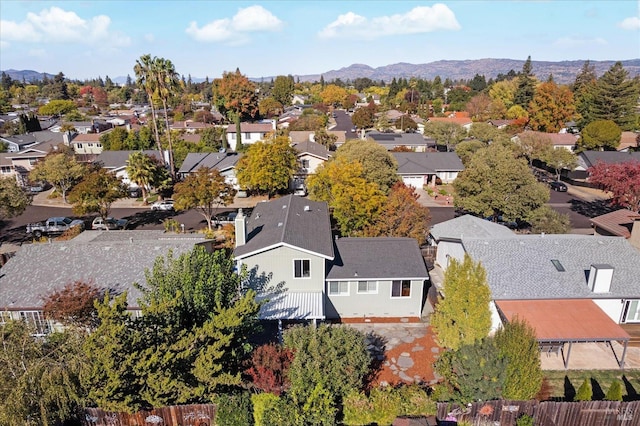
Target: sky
[[91, 38]]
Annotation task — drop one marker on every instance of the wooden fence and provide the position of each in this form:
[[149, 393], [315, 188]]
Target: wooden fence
[[174, 415], [547, 413]]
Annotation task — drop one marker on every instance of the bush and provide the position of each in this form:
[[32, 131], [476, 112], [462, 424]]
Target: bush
[[282, 411], [384, 405], [524, 420], [319, 409], [414, 401], [171, 225], [262, 403], [357, 409], [269, 368], [615, 391], [585, 392], [234, 410]]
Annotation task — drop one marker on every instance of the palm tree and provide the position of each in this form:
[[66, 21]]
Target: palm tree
[[142, 170], [167, 84], [146, 80]]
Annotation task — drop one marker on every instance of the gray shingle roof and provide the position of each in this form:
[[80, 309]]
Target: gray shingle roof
[[213, 160], [109, 259], [115, 159], [287, 221], [521, 268], [469, 226], [312, 148], [427, 162], [377, 258], [391, 140], [591, 158]]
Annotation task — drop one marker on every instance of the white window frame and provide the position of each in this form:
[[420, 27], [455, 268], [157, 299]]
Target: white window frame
[[36, 319], [5, 169], [341, 291], [400, 296], [5, 317], [369, 290], [302, 277], [629, 315]]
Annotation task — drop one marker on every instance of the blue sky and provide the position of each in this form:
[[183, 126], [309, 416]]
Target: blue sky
[[91, 38]]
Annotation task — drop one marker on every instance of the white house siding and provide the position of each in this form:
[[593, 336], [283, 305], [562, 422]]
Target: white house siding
[[417, 181], [496, 322], [611, 307], [279, 263], [447, 177], [314, 163], [247, 138], [448, 249], [377, 304]]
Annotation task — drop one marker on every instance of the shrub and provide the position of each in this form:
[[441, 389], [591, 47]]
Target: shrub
[[615, 391], [234, 410], [414, 401], [357, 409], [262, 403], [171, 225], [524, 420], [585, 392], [283, 412], [443, 192], [269, 368], [319, 408], [385, 404]]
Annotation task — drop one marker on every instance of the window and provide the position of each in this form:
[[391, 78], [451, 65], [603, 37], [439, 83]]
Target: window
[[305, 164], [247, 135], [367, 286], [78, 145], [36, 320], [5, 169], [338, 288], [301, 268], [233, 136], [401, 288]]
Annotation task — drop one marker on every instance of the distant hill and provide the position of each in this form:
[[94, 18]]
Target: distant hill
[[27, 75], [564, 72]]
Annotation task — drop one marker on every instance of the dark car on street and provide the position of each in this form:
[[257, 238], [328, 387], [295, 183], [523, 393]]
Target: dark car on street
[[558, 186]]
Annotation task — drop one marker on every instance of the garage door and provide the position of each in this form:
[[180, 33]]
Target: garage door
[[415, 181]]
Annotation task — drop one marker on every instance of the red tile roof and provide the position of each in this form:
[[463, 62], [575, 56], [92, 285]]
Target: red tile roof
[[561, 320], [556, 138]]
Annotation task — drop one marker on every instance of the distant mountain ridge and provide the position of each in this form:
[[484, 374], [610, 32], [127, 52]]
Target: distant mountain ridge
[[564, 72]]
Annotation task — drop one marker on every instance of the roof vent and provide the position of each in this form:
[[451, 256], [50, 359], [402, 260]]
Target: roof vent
[[284, 206], [279, 224], [307, 208], [600, 278]]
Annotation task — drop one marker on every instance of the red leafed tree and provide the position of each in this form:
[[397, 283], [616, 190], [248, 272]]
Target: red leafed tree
[[621, 179], [269, 367], [73, 305]]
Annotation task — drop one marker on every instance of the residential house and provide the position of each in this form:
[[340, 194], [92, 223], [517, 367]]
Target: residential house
[[558, 140], [629, 141], [190, 126], [414, 141], [110, 260], [620, 223], [116, 163], [310, 156], [23, 161], [299, 99], [6, 166], [224, 162], [19, 142], [587, 159], [422, 168], [87, 144], [301, 136], [292, 259], [460, 118], [585, 284], [501, 124], [250, 133]]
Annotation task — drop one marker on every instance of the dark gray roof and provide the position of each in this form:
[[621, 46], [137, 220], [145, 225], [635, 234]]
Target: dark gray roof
[[469, 226], [377, 258], [591, 158], [392, 140], [109, 259], [293, 221], [427, 162], [116, 159], [521, 268], [213, 160], [312, 148]]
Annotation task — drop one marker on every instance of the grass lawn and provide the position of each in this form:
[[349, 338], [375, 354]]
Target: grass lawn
[[601, 380]]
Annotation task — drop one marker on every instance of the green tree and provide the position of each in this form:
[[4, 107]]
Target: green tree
[[401, 216], [487, 133], [57, 107], [146, 172], [356, 202], [95, 193], [584, 92], [146, 80], [326, 139], [59, 169], [600, 135], [378, 165], [560, 158], [205, 190], [546, 219], [526, 86], [39, 378], [283, 87], [333, 95], [167, 85], [13, 200], [517, 343], [616, 97], [466, 149], [363, 118], [495, 183], [448, 134], [334, 357], [268, 166], [551, 107], [269, 107], [463, 317], [533, 145], [504, 91], [585, 392], [614, 393]]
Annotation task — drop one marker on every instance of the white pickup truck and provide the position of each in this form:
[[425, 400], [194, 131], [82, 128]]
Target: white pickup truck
[[53, 225]]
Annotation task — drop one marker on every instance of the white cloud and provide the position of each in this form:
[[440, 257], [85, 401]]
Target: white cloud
[[572, 42], [38, 53], [632, 23], [235, 30], [422, 19], [150, 37], [55, 25]]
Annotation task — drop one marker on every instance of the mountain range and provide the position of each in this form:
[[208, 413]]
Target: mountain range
[[563, 72]]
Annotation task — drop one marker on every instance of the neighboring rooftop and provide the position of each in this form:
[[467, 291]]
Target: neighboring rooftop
[[313, 148], [290, 221], [427, 162], [619, 222], [591, 158], [116, 159], [469, 226], [213, 160], [392, 140]]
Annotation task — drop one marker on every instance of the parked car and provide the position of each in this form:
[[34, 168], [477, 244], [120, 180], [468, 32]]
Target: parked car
[[108, 223], [53, 225], [163, 205], [558, 186], [224, 218], [135, 192]]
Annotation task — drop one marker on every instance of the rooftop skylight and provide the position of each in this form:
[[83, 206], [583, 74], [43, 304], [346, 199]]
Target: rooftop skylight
[[558, 265]]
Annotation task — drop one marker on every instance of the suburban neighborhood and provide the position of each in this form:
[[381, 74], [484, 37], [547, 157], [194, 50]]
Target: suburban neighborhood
[[408, 252]]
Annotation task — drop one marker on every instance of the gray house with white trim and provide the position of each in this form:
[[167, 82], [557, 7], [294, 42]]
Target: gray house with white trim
[[422, 168]]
